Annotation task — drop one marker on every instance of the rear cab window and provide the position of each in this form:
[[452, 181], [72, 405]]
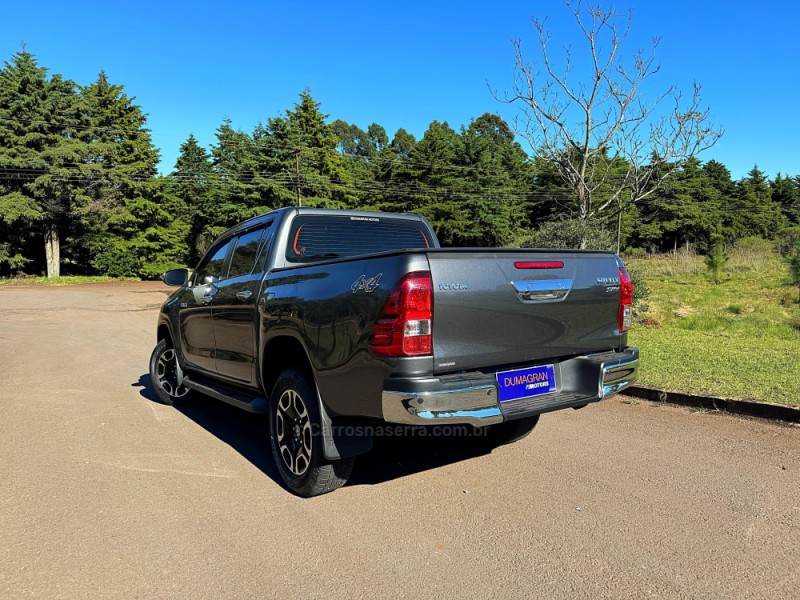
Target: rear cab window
[[314, 237]]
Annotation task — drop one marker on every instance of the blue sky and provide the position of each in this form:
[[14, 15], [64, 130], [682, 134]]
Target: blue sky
[[190, 65]]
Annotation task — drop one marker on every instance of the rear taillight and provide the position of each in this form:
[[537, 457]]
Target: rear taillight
[[625, 300], [404, 326]]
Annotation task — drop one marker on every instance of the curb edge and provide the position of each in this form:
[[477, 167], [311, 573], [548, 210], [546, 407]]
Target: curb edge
[[762, 410]]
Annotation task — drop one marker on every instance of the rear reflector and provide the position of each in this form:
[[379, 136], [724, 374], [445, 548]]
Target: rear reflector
[[547, 264]]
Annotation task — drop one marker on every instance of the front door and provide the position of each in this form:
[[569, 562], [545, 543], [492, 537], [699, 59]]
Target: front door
[[194, 312]]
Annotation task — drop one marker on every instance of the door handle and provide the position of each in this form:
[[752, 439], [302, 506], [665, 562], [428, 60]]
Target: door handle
[[244, 295]]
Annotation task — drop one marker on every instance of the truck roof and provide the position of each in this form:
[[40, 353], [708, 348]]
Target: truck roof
[[309, 210]]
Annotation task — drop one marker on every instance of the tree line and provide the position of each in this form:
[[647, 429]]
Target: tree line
[[80, 191]]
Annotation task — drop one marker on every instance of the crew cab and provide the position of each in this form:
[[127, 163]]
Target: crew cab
[[332, 322]]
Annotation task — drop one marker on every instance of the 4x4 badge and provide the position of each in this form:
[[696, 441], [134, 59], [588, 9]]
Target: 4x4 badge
[[368, 285]]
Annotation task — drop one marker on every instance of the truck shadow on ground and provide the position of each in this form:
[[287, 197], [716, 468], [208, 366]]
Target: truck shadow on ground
[[392, 456], [245, 432]]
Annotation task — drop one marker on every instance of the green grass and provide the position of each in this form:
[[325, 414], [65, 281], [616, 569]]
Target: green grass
[[739, 339], [60, 281]]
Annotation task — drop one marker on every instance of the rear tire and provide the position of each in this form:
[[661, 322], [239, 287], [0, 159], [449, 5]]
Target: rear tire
[[511, 431], [164, 376], [296, 438]]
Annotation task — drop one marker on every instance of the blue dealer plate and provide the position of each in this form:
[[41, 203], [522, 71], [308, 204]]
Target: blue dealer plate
[[521, 383]]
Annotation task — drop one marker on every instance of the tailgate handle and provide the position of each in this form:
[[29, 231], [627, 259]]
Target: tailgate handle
[[548, 290]]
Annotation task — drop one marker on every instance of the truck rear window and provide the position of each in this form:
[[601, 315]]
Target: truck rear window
[[315, 238]]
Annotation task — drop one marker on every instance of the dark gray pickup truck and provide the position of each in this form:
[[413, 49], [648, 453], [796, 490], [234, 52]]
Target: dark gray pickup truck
[[333, 322]]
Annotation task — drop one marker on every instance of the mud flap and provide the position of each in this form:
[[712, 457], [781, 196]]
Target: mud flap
[[343, 437]]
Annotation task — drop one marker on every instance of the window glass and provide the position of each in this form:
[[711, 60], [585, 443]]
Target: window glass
[[317, 238], [244, 255], [263, 253], [213, 262]]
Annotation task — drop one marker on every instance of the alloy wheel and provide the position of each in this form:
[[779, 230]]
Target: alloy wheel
[[293, 432], [167, 374]]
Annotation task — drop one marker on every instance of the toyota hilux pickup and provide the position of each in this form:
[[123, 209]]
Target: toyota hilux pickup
[[335, 322]]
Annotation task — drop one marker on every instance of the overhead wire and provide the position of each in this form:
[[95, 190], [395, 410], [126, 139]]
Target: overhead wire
[[252, 144], [396, 191], [83, 172]]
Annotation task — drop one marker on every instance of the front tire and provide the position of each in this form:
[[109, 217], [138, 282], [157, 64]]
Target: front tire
[[296, 438], [164, 375]]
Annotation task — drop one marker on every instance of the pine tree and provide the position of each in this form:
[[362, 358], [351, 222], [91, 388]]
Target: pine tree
[[403, 143], [325, 179], [191, 182], [549, 197], [38, 153], [440, 196], [716, 257], [393, 171], [753, 212], [497, 173], [234, 196], [131, 225], [687, 208], [786, 192]]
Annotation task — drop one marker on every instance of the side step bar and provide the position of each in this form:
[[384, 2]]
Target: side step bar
[[238, 398]]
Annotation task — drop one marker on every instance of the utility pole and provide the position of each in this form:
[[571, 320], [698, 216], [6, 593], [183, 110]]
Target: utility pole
[[297, 174]]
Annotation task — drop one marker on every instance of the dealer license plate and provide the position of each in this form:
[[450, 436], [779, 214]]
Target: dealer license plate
[[521, 383]]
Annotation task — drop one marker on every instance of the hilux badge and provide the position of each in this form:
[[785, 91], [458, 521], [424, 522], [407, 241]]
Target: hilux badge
[[608, 281]]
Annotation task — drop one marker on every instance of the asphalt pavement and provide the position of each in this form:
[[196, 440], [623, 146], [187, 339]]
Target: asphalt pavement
[[105, 493]]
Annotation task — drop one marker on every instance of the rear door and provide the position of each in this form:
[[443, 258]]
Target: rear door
[[234, 305], [494, 308]]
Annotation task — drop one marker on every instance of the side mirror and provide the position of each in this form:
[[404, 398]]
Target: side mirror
[[176, 277]]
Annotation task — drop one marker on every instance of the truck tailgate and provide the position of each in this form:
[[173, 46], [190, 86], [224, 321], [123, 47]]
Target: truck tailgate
[[503, 307]]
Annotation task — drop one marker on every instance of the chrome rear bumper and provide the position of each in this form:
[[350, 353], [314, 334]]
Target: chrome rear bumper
[[472, 398]]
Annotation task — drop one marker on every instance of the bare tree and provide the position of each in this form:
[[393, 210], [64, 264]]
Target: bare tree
[[610, 145]]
